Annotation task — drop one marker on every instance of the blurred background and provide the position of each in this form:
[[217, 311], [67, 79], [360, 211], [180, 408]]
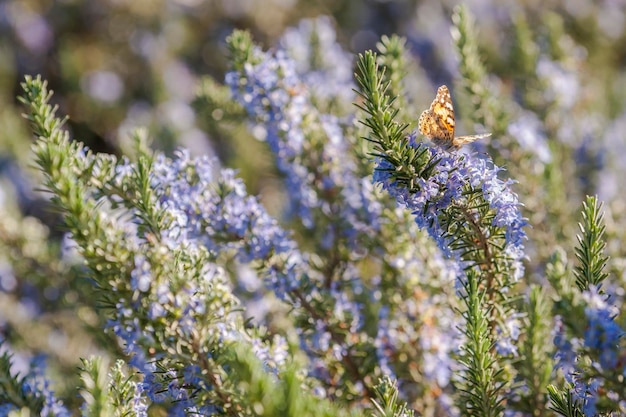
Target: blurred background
[[117, 64], [555, 66]]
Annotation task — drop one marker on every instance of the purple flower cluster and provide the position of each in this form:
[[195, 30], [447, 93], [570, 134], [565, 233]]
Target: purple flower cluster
[[311, 149], [508, 334], [602, 333], [35, 385], [212, 210], [321, 62], [530, 133], [567, 348], [601, 341], [562, 84], [184, 303], [139, 405], [175, 279], [483, 174], [421, 326], [451, 178], [330, 336], [272, 93]]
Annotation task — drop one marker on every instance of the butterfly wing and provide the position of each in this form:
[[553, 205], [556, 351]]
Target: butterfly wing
[[459, 141], [428, 124], [437, 123], [443, 110]]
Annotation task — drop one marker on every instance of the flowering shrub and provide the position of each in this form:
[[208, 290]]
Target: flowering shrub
[[399, 279]]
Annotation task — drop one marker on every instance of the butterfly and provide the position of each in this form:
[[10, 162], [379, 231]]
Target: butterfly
[[437, 123]]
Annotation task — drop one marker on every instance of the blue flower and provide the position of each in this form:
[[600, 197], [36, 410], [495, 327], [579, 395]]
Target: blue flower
[[311, 149], [140, 408], [319, 59], [449, 181], [211, 208], [567, 349], [141, 276], [602, 335], [35, 384], [508, 335], [530, 133], [602, 332]]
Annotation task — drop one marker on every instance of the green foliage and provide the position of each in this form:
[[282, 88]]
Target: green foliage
[[387, 403], [484, 380], [267, 395], [550, 54], [563, 402], [11, 386], [57, 157], [377, 104], [536, 364], [107, 391], [590, 253], [558, 273], [393, 57], [525, 52], [241, 49], [103, 239], [477, 240], [386, 134], [487, 109], [470, 226]]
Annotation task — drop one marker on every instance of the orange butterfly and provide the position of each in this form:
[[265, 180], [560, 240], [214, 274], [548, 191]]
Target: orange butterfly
[[437, 123]]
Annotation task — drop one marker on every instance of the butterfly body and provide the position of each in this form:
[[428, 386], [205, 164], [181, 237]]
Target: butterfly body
[[437, 123]]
